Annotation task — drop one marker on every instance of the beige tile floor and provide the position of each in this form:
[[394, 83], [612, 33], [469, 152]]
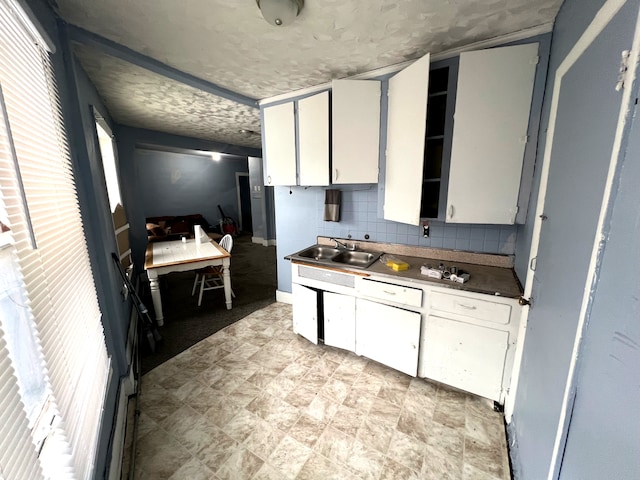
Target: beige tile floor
[[255, 401]]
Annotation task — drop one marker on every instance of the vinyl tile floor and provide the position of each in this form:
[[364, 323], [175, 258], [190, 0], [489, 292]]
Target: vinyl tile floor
[[256, 401]]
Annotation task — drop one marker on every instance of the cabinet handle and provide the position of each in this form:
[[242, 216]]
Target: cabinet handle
[[388, 292], [468, 307], [269, 179], [451, 211], [413, 346], [335, 173]]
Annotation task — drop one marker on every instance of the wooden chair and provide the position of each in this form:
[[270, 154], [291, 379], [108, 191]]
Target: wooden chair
[[210, 278]]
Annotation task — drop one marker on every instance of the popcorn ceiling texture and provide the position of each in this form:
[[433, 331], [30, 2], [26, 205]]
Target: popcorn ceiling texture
[[137, 97], [230, 44]]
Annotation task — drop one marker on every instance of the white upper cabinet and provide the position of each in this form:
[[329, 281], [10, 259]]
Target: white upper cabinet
[[493, 102], [304, 163], [355, 131], [406, 125], [313, 139], [279, 145]]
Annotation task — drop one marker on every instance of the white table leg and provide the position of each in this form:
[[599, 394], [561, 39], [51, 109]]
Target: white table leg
[[154, 285], [226, 279]]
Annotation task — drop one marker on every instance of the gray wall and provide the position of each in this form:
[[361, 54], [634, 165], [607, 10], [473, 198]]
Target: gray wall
[[180, 184]]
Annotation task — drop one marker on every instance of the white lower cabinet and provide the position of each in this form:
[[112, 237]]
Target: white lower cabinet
[[466, 356], [463, 339], [339, 320], [305, 312], [388, 335]]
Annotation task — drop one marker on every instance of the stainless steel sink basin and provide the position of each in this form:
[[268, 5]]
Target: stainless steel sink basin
[[319, 252], [328, 255], [356, 258]]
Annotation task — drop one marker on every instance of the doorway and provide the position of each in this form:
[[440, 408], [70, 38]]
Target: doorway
[[245, 221]]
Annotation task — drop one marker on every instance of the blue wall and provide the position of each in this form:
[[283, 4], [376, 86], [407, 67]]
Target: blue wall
[[299, 220], [604, 435], [603, 422], [128, 140], [77, 96], [180, 184], [263, 219], [299, 214]]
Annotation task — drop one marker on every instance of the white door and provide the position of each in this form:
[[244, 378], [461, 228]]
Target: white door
[[279, 143], [491, 119], [464, 356], [305, 312], [388, 335], [313, 139], [355, 131], [406, 126], [339, 320]]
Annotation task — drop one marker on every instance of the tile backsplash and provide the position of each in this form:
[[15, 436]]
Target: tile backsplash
[[359, 217]]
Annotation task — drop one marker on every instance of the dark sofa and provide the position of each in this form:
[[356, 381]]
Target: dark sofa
[[173, 227]]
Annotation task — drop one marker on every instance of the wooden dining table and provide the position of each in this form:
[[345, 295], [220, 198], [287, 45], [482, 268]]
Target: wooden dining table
[[180, 256]]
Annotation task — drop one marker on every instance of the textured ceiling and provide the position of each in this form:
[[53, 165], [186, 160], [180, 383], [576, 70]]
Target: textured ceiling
[[137, 97], [229, 44]]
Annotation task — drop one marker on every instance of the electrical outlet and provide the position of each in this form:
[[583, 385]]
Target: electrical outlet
[[425, 229]]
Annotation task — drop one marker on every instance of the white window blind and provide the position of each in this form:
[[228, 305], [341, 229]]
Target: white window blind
[[58, 279]]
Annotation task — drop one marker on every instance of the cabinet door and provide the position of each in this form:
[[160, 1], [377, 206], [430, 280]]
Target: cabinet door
[[464, 356], [355, 117], [305, 312], [313, 139], [493, 101], [406, 125], [339, 320], [279, 144], [388, 335]]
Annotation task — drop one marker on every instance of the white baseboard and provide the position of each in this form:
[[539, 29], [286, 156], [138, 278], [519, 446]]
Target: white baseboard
[[263, 242], [284, 297]]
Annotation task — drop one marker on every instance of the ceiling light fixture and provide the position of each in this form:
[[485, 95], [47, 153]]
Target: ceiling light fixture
[[216, 156], [280, 12]]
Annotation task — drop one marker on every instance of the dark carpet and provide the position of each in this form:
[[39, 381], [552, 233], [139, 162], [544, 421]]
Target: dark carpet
[[253, 279]]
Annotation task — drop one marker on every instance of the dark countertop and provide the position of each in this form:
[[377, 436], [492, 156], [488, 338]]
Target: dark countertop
[[491, 280]]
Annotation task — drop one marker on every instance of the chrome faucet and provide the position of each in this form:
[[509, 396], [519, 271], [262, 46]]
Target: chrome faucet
[[340, 244]]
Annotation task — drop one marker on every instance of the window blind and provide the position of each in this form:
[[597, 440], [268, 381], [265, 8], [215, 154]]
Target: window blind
[[57, 274], [17, 454]]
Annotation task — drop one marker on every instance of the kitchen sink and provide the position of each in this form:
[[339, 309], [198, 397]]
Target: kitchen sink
[[356, 258], [328, 255], [319, 252]]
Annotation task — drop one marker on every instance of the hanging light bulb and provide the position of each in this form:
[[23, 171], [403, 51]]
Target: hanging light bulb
[[280, 12]]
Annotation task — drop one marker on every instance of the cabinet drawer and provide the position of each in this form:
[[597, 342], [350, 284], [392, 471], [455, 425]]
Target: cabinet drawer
[[328, 276], [392, 293], [471, 307]]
